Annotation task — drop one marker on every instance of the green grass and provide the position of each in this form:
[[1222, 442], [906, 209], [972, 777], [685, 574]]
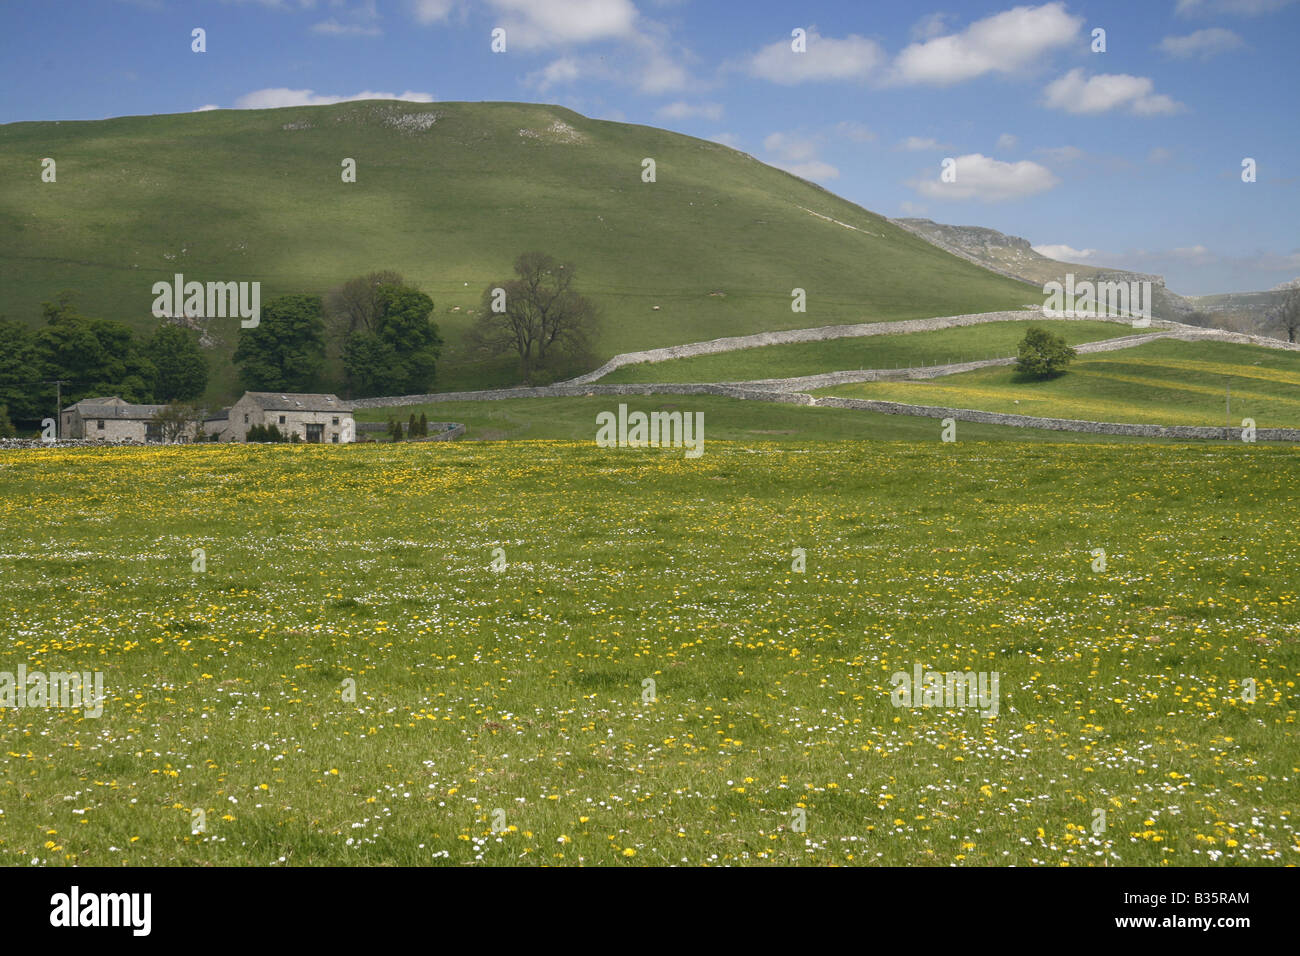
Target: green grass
[[233, 195], [961, 343], [1163, 382], [525, 691], [725, 419]]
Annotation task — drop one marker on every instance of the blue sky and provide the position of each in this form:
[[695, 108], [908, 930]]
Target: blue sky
[[1131, 157]]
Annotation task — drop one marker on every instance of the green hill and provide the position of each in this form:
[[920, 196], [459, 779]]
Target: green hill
[[448, 194]]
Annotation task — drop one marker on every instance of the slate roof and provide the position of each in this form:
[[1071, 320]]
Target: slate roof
[[114, 408], [298, 402]]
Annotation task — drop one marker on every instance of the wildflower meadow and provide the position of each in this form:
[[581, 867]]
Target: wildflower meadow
[[550, 652]]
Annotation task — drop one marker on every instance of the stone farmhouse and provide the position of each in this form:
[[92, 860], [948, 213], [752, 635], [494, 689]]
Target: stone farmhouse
[[313, 417], [112, 419]]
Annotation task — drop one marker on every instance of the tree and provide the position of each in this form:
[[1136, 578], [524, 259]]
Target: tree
[[7, 429], [399, 354], [1286, 314], [540, 317], [354, 306], [175, 421], [21, 374], [285, 351], [424, 426], [182, 369], [404, 323], [1042, 354], [98, 356]]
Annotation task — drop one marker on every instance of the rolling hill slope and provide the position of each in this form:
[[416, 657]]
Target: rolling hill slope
[[448, 194], [1161, 383]]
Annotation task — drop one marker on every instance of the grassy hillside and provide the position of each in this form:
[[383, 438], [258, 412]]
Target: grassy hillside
[[961, 343], [1165, 382], [448, 194]]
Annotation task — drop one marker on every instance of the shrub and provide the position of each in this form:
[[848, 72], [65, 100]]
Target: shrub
[[1042, 355]]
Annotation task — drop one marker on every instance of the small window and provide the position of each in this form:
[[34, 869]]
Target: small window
[[334, 438], [281, 419], [100, 426], [245, 419], [334, 421]]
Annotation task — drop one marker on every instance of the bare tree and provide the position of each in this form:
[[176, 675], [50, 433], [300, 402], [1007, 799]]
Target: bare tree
[[354, 305], [1286, 314], [175, 421], [537, 315]]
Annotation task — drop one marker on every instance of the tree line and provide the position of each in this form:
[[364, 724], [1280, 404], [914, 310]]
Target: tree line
[[92, 357], [373, 335]]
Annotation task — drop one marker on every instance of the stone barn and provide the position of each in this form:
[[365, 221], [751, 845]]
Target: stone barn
[[111, 419], [313, 417]]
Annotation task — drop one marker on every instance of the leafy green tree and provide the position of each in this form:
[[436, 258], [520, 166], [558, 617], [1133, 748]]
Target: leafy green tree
[[98, 356], [285, 351], [400, 354], [21, 373], [404, 322], [1042, 354], [7, 429], [182, 369], [424, 426], [368, 363]]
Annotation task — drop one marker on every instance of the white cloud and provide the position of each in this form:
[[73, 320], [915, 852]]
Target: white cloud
[[990, 180], [1003, 43], [645, 55], [797, 154], [929, 26], [683, 110], [1202, 43], [563, 70], [432, 11], [1007, 142], [1063, 253], [661, 74], [204, 109], [918, 144], [533, 24], [791, 147], [826, 58], [275, 97], [1107, 91], [1159, 155], [332, 27]]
